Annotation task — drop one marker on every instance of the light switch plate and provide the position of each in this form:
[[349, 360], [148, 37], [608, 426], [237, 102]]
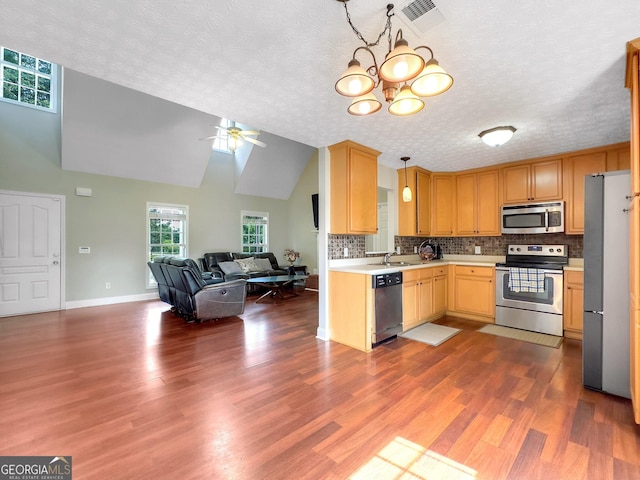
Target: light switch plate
[[84, 250], [478, 250]]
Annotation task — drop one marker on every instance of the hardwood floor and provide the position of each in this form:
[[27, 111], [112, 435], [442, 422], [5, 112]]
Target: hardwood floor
[[131, 391]]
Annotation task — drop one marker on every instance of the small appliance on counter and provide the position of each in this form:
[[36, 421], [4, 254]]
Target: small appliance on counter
[[429, 251]]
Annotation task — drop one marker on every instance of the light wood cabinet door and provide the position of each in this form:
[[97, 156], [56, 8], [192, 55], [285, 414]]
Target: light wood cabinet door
[[439, 294], [465, 218], [488, 203], [410, 299], [354, 188], [425, 298], [414, 217], [546, 180], [573, 304], [423, 203], [619, 159], [516, 184], [575, 169], [474, 292], [442, 205]]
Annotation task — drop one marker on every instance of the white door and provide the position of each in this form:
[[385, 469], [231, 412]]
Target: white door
[[30, 253]]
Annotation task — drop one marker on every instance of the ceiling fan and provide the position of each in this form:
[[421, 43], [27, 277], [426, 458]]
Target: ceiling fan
[[236, 135]]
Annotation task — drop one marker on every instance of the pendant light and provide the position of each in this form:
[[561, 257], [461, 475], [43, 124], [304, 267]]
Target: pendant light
[[406, 191]]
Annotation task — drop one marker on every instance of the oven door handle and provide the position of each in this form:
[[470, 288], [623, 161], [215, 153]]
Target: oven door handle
[[544, 270]]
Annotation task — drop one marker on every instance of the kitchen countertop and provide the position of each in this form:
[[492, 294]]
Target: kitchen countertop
[[374, 266]]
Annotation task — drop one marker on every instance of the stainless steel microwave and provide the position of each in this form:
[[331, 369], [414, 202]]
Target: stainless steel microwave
[[545, 217]]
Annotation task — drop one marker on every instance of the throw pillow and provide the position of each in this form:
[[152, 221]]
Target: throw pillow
[[263, 264], [247, 264], [230, 267]]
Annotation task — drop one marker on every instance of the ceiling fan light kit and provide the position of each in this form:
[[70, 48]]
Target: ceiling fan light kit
[[494, 137], [402, 64]]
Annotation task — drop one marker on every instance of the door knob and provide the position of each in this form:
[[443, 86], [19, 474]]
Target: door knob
[[56, 262]]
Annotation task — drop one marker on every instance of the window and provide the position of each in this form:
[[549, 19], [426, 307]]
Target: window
[[255, 232], [221, 142], [27, 80], [167, 227]]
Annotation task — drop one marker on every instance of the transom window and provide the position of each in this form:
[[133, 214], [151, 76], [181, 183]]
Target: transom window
[[167, 227], [255, 232], [27, 80]]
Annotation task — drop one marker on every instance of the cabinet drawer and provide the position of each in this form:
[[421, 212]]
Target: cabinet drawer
[[439, 271], [475, 271], [573, 276], [409, 276]]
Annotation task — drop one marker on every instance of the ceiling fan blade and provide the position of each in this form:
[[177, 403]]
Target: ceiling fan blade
[[221, 128], [250, 132], [255, 142], [208, 138]]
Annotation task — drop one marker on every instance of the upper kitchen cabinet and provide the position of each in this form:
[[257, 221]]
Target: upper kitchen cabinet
[[477, 203], [354, 188], [576, 167], [538, 181], [414, 217], [442, 205]]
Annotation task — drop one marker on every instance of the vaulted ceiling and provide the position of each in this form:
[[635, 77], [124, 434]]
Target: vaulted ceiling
[[553, 70]]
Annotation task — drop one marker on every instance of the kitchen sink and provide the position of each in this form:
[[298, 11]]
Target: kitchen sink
[[393, 264]]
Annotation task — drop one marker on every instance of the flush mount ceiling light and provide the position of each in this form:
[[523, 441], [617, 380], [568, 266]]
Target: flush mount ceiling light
[[497, 136], [406, 191], [401, 65]]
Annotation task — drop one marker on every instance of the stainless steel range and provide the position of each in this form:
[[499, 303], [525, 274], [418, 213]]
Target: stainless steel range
[[529, 288]]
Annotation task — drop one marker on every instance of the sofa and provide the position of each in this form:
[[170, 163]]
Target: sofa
[[233, 266], [194, 294]]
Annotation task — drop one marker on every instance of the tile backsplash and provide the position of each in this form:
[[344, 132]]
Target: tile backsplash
[[456, 245]]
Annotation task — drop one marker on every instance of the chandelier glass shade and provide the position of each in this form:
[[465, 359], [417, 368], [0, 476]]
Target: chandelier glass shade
[[401, 65]]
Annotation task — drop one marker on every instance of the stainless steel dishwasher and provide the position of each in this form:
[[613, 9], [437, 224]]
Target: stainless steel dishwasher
[[387, 291]]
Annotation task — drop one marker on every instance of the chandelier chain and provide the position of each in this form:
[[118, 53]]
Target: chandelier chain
[[387, 27]]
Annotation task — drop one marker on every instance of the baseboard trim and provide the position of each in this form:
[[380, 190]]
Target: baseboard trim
[[96, 302]]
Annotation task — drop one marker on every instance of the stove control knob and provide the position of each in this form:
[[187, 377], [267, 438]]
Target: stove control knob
[[511, 249], [558, 250], [518, 249], [551, 250]]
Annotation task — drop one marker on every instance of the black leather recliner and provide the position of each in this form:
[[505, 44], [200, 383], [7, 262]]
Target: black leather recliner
[[194, 295]]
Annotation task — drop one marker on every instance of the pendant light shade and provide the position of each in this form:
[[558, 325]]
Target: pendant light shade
[[354, 82], [406, 191], [364, 105], [405, 103], [401, 64], [432, 81]]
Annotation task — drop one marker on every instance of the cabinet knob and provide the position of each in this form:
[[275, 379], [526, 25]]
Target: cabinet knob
[[568, 288]]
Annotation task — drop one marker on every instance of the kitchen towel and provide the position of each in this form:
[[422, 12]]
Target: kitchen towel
[[526, 280]]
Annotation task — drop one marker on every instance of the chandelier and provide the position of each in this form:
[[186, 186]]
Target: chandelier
[[401, 65]]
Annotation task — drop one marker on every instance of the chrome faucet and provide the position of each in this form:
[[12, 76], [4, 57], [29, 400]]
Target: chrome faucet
[[387, 257]]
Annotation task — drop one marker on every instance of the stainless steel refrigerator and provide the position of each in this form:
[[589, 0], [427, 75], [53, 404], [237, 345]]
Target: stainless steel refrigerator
[[605, 341]]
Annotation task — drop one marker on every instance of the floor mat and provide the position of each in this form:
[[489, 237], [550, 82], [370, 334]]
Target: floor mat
[[430, 333], [524, 335]]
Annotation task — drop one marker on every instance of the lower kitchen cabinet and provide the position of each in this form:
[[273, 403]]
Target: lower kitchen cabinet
[[351, 309], [573, 304], [473, 293], [417, 297], [424, 295]]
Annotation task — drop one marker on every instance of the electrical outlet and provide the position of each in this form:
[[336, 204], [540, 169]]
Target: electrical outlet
[[398, 249], [415, 249], [478, 250], [346, 252], [107, 285]]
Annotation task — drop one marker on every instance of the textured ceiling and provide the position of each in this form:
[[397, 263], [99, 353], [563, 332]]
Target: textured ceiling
[[554, 70]]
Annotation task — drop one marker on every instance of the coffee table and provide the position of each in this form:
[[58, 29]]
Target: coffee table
[[276, 285]]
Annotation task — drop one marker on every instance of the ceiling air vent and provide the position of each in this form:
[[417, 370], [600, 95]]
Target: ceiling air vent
[[420, 15]]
